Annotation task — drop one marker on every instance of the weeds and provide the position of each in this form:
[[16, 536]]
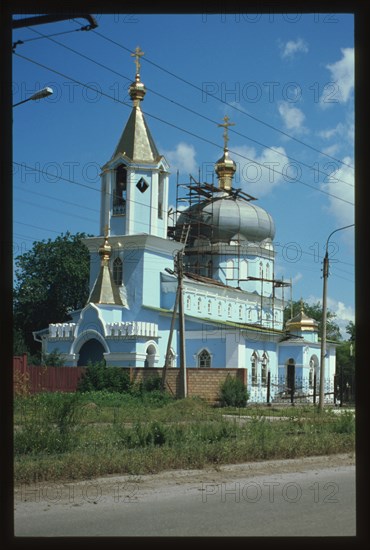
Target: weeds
[[76, 436]]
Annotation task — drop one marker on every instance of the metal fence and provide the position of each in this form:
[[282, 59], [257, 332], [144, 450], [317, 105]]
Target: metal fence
[[338, 390]]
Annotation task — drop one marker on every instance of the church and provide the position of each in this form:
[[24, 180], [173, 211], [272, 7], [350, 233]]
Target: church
[[194, 284]]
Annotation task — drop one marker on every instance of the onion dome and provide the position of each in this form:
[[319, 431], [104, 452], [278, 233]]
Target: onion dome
[[227, 218]]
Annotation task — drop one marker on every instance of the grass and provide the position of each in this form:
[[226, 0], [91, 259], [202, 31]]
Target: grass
[[81, 436]]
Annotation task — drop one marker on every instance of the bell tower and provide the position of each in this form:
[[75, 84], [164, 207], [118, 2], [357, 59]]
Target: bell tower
[[134, 182]]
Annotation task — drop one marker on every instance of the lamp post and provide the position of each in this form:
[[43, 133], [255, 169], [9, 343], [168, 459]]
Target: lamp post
[[324, 315], [45, 92]]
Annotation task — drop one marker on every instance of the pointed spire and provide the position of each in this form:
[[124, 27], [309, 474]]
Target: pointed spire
[[136, 141], [105, 291], [225, 167]]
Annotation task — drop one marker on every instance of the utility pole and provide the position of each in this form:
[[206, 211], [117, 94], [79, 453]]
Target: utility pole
[[180, 275], [324, 318], [179, 304]]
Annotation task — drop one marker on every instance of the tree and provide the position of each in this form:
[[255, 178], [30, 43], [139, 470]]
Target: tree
[[52, 279], [351, 331], [315, 311]]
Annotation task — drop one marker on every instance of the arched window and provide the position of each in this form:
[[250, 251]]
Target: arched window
[[250, 314], [240, 312], [230, 269], [171, 359], [267, 271], [243, 269], [261, 270], [188, 302], [117, 271], [254, 360], [199, 305], [229, 310], [161, 177], [264, 369], [209, 306], [219, 308], [150, 356], [204, 359], [119, 195]]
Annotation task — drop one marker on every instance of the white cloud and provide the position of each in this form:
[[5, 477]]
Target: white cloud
[[340, 89], [182, 158], [257, 175], [343, 314], [293, 117], [343, 212], [297, 277], [292, 47]]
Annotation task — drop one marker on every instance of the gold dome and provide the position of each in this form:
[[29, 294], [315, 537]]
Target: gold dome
[[225, 169]]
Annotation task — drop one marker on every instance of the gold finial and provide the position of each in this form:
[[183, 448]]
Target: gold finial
[[105, 249], [226, 125], [138, 53]]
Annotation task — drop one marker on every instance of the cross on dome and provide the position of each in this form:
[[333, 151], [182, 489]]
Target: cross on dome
[[137, 54], [226, 125]]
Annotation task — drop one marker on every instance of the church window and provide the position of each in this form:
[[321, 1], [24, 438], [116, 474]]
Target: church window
[[119, 194], [254, 360], [250, 314], [117, 271], [160, 195], [240, 312], [267, 271], [243, 269], [261, 270], [229, 269], [229, 310], [188, 302], [210, 269], [142, 185], [219, 308], [199, 305], [209, 306], [204, 359]]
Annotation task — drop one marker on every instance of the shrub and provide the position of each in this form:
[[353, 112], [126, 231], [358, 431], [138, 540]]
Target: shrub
[[100, 377], [233, 393]]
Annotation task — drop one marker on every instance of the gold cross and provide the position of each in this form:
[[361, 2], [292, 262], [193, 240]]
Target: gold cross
[[226, 125], [138, 53]]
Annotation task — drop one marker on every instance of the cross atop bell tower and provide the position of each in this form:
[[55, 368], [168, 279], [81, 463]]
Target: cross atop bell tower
[[137, 54]]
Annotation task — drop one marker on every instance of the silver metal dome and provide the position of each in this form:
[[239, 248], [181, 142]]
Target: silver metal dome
[[226, 218]]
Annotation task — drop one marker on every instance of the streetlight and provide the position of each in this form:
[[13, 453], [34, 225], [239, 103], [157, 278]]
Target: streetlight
[[45, 92], [323, 333]]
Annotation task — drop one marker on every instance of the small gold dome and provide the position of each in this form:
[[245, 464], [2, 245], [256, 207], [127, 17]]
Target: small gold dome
[[137, 90], [225, 169]]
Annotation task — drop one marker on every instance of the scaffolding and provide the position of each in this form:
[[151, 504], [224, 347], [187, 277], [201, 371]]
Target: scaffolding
[[191, 199]]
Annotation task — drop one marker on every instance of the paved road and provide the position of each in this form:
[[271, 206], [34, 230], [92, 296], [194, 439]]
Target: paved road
[[308, 502]]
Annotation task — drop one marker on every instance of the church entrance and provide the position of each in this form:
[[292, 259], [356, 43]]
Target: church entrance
[[92, 350]]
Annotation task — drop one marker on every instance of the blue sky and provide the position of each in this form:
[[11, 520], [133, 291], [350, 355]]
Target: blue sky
[[286, 81]]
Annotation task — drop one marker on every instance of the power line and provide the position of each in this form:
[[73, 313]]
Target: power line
[[178, 127], [182, 106], [225, 102], [54, 198]]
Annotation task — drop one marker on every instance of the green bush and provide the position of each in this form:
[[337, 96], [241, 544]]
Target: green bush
[[233, 393], [100, 377]]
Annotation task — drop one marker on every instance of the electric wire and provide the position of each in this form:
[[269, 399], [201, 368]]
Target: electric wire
[[224, 102], [182, 106], [178, 127]]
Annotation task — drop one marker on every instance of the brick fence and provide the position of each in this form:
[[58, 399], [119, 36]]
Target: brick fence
[[204, 383]]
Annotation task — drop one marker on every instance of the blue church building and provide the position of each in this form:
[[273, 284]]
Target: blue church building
[[233, 317]]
